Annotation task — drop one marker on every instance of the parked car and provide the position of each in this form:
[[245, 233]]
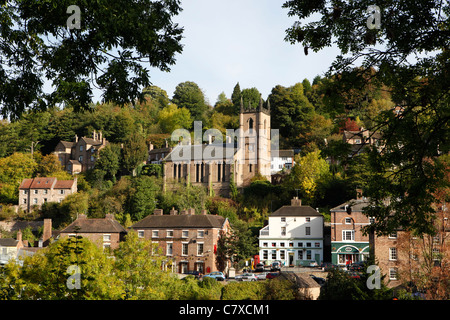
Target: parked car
[[357, 266], [196, 274], [246, 277], [272, 275], [259, 267], [276, 266], [327, 266], [319, 280], [354, 275], [262, 275], [219, 276]]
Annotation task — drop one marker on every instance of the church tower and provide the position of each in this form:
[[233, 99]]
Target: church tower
[[254, 144]]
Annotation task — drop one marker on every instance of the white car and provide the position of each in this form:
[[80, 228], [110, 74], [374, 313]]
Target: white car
[[262, 276], [246, 277]]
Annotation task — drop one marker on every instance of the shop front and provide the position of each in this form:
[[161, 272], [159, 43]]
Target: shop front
[[347, 254]]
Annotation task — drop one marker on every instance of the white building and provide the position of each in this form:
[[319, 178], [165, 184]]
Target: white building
[[284, 159], [293, 236]]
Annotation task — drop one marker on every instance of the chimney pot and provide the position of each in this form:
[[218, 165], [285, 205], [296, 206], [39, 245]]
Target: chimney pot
[[359, 194]]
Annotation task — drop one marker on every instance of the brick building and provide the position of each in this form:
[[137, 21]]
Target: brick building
[[35, 192], [189, 240], [106, 233], [348, 243], [80, 155]]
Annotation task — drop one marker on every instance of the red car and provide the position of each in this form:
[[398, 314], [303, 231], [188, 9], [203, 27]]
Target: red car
[[272, 275]]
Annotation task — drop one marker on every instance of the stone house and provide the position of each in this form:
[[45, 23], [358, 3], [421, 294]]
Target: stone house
[[80, 155], [189, 240], [106, 233], [9, 248], [37, 191], [294, 236]]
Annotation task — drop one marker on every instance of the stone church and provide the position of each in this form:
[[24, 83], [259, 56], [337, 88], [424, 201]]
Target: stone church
[[244, 153]]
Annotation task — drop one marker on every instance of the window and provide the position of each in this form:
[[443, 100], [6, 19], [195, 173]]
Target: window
[[155, 234], [61, 191], [45, 191], [35, 201], [283, 231], [282, 255], [35, 191], [184, 233], [81, 148], [291, 244], [80, 158], [169, 234], [300, 244], [283, 219], [308, 244], [265, 255], [308, 219], [199, 249], [308, 231], [308, 254], [169, 248], [200, 233], [140, 234], [317, 244], [348, 235], [392, 254], [184, 249], [45, 200], [348, 220], [106, 238], [264, 244], [282, 244], [25, 191], [393, 235], [274, 244], [92, 159], [392, 273], [24, 201], [274, 254]]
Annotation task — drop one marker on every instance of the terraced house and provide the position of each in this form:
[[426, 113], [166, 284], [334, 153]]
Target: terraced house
[[33, 193]]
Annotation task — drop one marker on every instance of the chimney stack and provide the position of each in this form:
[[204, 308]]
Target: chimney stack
[[47, 232], [173, 212], [158, 212], [82, 216], [191, 211], [296, 202], [19, 236], [204, 212], [109, 216], [359, 194]]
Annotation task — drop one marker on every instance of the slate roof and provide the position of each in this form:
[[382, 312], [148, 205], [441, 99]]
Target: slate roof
[[180, 221], [8, 242], [183, 151], [295, 211], [84, 225], [356, 205]]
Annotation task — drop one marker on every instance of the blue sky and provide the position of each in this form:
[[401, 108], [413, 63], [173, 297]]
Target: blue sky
[[230, 41]]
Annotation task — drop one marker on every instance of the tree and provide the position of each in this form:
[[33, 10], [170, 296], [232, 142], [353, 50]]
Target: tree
[[291, 113], [251, 98], [139, 265], [111, 43], [409, 170], [142, 198], [171, 118], [188, 95], [109, 161], [236, 98], [135, 152], [308, 172], [13, 170]]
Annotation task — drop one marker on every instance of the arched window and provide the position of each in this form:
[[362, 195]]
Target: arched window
[[250, 123]]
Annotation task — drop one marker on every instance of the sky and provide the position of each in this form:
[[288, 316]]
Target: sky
[[230, 41]]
